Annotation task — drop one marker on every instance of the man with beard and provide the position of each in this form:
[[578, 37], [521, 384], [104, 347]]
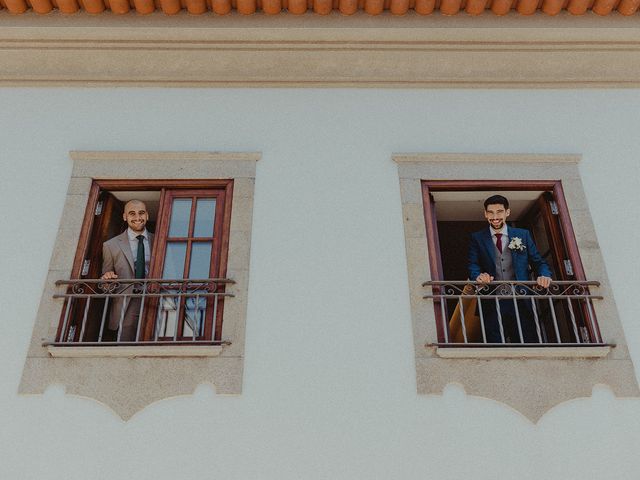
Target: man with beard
[[499, 253], [125, 257]]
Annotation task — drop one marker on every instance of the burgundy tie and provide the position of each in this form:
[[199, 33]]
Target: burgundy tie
[[499, 241]]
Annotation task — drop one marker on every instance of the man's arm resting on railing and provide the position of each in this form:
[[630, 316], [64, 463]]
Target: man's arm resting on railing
[[108, 272], [537, 262], [473, 265], [475, 271]]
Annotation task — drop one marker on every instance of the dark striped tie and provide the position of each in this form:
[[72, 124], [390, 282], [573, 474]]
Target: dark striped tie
[[499, 241], [140, 263]]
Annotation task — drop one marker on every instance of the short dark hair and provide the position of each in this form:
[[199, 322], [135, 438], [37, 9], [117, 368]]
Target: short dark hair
[[496, 200]]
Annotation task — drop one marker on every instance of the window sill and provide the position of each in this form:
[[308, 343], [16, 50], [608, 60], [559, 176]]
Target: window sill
[[595, 351], [135, 351]]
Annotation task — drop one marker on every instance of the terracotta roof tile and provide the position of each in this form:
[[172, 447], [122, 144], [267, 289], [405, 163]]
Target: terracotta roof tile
[[450, 7], [348, 7], [527, 7], [374, 7], [196, 7], [271, 7], [501, 7], [16, 6], [221, 7], [578, 7], [399, 7], [144, 7], [325, 7], [93, 6], [603, 7], [170, 7], [297, 7], [475, 7], [553, 7], [119, 6], [628, 7], [68, 6], [41, 6], [246, 7]]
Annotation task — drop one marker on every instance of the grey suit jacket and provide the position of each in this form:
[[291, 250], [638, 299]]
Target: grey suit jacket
[[117, 257]]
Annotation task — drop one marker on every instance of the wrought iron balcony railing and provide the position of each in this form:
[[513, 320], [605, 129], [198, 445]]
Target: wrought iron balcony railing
[[141, 312], [510, 313]]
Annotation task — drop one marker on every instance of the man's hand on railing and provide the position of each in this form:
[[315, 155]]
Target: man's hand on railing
[[544, 282], [484, 278], [109, 276]]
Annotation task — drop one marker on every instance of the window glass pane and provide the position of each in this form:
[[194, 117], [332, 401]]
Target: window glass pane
[[200, 260], [194, 316], [205, 217], [167, 319], [180, 214], [174, 260]]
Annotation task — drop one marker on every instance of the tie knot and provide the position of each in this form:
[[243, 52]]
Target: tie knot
[[140, 237], [498, 236]]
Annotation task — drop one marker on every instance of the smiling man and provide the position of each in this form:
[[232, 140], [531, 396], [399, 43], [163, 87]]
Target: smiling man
[[506, 253], [124, 257]]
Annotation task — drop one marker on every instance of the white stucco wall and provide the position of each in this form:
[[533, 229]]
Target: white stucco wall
[[336, 397]]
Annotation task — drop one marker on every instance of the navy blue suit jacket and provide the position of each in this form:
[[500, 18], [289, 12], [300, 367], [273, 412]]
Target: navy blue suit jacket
[[482, 255]]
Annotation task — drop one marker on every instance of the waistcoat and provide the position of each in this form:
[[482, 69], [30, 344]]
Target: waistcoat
[[504, 264]]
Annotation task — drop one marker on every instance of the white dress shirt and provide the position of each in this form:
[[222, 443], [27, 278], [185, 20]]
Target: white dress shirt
[[133, 243]]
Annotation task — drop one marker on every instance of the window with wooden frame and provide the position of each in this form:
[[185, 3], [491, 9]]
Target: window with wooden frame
[[189, 330], [181, 300], [442, 196], [561, 314]]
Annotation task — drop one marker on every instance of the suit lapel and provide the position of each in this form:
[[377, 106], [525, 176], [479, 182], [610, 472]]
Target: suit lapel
[[123, 242], [489, 245], [513, 233]]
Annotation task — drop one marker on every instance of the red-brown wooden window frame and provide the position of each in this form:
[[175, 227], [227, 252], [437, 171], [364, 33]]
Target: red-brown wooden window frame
[[156, 270], [161, 185], [433, 244]]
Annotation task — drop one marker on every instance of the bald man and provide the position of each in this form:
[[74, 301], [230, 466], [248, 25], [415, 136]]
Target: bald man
[[125, 257]]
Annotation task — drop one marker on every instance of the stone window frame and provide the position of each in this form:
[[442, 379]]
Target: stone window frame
[[528, 380], [128, 382]]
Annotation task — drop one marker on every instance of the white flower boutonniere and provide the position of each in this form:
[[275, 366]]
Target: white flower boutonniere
[[517, 245]]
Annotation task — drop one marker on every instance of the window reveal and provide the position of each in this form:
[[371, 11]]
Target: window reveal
[[563, 313], [182, 298]]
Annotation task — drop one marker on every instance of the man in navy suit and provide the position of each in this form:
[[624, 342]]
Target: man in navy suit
[[506, 253]]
